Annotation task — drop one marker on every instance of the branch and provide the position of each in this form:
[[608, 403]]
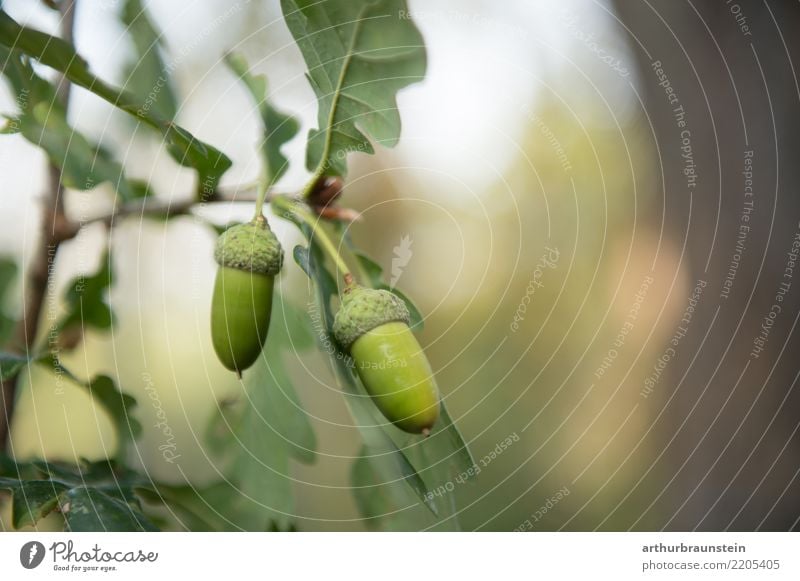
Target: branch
[[53, 225], [323, 204], [164, 209]]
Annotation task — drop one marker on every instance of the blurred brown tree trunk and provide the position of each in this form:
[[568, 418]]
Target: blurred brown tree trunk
[[734, 417]]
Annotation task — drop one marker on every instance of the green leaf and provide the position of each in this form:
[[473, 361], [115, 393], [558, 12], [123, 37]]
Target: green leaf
[[392, 459], [140, 189], [258, 434], [283, 409], [43, 122], [257, 482], [10, 468], [54, 52], [89, 509], [11, 364], [148, 77], [359, 54], [31, 500], [87, 306], [8, 273], [83, 166], [445, 461], [104, 392], [261, 468], [92, 496], [447, 437], [118, 405], [372, 269], [196, 508], [373, 497], [279, 128], [385, 505]]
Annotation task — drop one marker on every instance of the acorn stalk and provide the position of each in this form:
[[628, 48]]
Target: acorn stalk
[[249, 256], [372, 325]]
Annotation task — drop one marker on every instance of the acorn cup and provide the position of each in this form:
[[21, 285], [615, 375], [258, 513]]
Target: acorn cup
[[372, 325], [249, 256]]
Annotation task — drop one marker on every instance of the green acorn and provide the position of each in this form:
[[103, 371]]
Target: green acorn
[[249, 256], [373, 326]]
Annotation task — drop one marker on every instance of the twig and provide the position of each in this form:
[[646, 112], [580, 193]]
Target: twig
[[165, 209], [54, 225], [297, 211]]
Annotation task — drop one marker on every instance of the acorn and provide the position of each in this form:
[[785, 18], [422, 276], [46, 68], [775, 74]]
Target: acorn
[[249, 256], [372, 325]]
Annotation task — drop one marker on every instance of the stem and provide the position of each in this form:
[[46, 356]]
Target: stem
[[168, 209], [261, 196], [362, 272], [311, 185], [318, 233], [337, 96], [53, 226]]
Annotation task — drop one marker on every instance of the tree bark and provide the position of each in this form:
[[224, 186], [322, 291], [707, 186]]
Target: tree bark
[[731, 428]]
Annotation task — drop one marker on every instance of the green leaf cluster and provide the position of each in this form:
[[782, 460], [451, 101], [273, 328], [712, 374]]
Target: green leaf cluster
[[19, 41], [93, 496]]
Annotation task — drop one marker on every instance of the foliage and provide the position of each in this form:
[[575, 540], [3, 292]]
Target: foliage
[[358, 54], [148, 75], [20, 41], [94, 496], [278, 127], [86, 300]]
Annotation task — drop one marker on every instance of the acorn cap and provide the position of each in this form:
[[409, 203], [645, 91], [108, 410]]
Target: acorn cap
[[363, 309], [251, 247]]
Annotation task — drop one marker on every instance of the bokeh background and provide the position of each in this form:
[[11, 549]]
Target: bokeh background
[[566, 230]]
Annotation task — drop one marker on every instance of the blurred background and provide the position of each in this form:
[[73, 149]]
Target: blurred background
[[594, 204]]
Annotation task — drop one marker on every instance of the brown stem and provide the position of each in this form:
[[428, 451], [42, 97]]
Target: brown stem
[[164, 209], [54, 223]]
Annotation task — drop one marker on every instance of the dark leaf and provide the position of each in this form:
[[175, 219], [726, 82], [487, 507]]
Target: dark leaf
[[11, 364], [86, 299], [89, 509], [31, 499], [8, 273], [93, 496], [117, 404]]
